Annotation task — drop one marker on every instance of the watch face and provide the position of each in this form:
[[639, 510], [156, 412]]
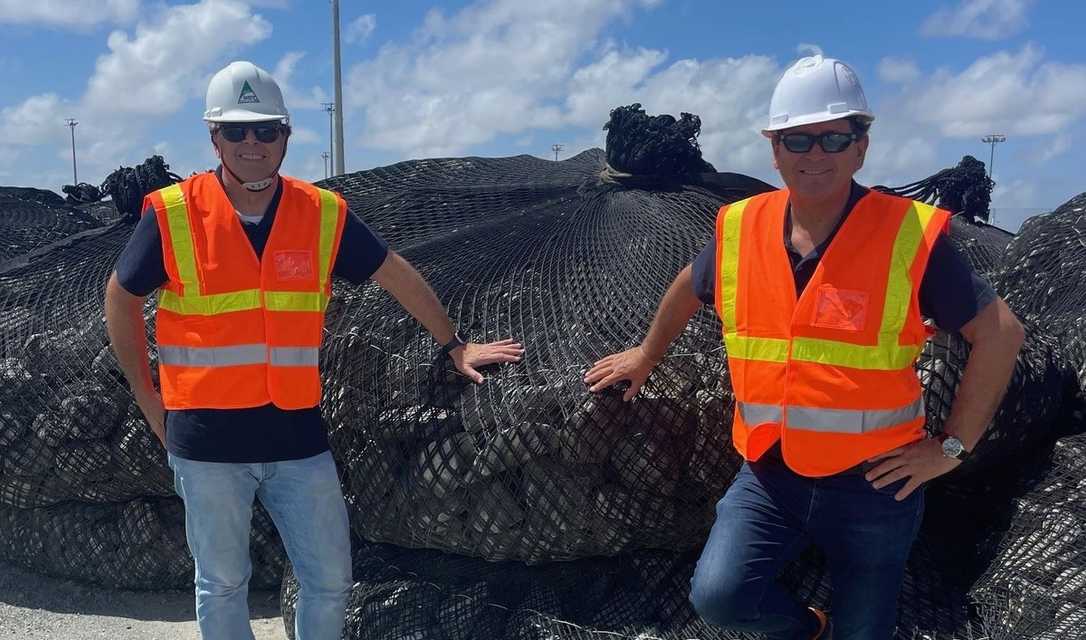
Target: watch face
[[952, 447]]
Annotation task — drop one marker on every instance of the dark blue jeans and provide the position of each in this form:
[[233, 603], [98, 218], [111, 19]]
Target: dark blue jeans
[[769, 515]]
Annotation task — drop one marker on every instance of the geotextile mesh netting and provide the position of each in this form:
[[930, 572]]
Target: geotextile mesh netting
[[34, 218], [78, 464], [525, 506]]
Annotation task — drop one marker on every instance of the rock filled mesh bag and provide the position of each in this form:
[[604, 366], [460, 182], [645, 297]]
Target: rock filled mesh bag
[[77, 459], [33, 218]]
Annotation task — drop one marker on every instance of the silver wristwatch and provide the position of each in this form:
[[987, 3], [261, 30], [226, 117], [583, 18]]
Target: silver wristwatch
[[952, 447]]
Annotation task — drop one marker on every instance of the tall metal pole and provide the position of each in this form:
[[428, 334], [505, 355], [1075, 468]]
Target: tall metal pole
[[340, 169], [325, 155], [71, 125], [330, 107], [556, 148], [993, 140]]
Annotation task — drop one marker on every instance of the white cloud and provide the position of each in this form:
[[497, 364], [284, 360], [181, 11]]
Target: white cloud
[[159, 68], [302, 135], [1051, 148], [144, 76], [77, 14], [361, 28], [898, 70], [493, 68], [984, 19], [294, 97], [1011, 93]]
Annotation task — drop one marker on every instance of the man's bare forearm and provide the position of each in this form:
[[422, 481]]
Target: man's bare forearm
[[996, 337], [399, 278], [128, 336], [676, 308]]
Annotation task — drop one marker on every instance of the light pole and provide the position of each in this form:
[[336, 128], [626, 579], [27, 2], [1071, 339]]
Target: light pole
[[556, 148], [992, 139], [71, 125], [325, 155], [330, 107], [340, 169]]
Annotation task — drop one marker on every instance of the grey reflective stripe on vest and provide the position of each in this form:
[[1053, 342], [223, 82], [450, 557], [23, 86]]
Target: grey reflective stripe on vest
[[832, 420], [754, 414], [294, 356], [213, 356]]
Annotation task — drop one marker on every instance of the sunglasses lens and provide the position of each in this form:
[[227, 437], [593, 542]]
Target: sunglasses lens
[[266, 133], [798, 142], [233, 133], [835, 142]]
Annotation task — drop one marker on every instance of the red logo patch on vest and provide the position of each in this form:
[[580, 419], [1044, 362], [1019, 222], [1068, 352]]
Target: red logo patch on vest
[[293, 265], [844, 309]]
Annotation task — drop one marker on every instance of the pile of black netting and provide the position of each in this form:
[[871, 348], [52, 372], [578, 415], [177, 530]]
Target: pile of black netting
[[34, 218], [527, 506], [85, 491]]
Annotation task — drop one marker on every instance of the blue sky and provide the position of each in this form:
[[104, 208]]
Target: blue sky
[[504, 77]]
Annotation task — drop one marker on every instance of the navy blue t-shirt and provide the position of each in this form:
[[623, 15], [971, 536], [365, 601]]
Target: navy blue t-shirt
[[260, 434], [951, 293]]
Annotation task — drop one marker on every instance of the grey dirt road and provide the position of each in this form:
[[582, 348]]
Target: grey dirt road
[[39, 607]]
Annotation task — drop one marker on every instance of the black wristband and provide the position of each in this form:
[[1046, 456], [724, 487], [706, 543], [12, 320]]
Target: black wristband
[[459, 339]]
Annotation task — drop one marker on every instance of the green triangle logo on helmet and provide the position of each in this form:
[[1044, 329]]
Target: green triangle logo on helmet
[[247, 95]]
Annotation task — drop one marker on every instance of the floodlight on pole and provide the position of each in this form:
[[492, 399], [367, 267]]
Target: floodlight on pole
[[992, 139], [72, 122], [338, 89], [325, 155], [556, 148], [330, 107]]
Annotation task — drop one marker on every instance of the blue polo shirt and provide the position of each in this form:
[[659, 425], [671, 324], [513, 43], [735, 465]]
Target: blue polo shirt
[[259, 434], [951, 293]]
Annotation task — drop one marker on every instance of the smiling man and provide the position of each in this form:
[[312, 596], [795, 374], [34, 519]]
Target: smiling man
[[243, 260], [823, 289]]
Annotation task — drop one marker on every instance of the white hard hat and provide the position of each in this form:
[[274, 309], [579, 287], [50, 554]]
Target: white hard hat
[[816, 89], [243, 92]]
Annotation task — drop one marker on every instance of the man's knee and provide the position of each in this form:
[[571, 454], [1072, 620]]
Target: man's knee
[[723, 603]]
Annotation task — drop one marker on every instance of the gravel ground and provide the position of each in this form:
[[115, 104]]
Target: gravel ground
[[33, 606]]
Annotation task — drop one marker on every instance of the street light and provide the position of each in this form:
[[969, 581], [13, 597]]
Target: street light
[[71, 125], [992, 139], [556, 148], [330, 107]]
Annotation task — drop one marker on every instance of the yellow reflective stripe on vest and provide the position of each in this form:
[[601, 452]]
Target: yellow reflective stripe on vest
[[850, 421], [209, 305], [295, 301], [329, 222], [887, 355], [729, 271], [213, 356], [184, 253], [747, 348]]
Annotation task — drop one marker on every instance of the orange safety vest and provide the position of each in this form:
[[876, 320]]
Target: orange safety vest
[[234, 331], [829, 374]]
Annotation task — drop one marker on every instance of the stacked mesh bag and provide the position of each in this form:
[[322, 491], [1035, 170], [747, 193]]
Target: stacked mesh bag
[[529, 508], [84, 487], [1035, 583]]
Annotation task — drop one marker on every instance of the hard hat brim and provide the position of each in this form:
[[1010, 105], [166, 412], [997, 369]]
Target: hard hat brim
[[244, 115], [816, 118]]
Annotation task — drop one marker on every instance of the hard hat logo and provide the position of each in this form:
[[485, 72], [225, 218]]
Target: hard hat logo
[[247, 95]]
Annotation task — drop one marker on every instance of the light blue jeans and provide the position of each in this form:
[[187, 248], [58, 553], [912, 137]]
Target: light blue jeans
[[305, 501]]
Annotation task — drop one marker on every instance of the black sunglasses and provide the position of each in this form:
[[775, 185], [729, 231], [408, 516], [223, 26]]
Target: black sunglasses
[[831, 141], [266, 133]]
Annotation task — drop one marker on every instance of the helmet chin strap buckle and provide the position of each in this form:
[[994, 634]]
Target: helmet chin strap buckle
[[259, 185]]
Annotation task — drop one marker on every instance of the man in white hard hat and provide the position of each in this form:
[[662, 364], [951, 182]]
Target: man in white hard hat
[[823, 289], [242, 259]]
